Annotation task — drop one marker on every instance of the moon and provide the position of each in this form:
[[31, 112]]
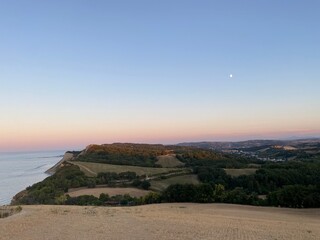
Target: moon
[[230, 75]]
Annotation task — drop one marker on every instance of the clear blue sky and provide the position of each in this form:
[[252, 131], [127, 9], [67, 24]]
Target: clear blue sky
[[80, 72]]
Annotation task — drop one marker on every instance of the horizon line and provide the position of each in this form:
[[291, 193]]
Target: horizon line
[[165, 144]]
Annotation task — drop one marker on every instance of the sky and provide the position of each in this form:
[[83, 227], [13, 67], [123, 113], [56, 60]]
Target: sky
[[77, 72]]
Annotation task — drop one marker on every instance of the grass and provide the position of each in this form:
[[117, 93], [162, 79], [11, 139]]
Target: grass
[[169, 161], [254, 165], [92, 169], [162, 184], [242, 171]]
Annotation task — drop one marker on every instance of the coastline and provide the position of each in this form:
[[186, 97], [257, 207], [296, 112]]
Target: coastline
[[66, 157], [22, 169]]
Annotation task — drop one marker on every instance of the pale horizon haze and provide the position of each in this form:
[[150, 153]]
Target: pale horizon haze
[[74, 73]]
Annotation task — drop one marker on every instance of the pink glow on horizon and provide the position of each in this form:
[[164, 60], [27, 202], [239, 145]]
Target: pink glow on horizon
[[78, 141], [50, 132]]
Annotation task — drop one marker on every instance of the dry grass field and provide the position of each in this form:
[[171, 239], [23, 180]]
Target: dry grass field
[[91, 169], [133, 192], [240, 171], [162, 184], [169, 161], [163, 221]]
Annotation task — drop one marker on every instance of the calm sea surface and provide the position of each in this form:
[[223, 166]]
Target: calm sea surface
[[20, 170]]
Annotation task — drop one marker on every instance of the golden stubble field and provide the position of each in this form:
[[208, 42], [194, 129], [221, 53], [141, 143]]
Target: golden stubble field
[[133, 192], [162, 221]]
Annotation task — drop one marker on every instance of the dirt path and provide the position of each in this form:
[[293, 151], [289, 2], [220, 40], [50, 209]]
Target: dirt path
[[163, 221], [66, 158], [84, 168]]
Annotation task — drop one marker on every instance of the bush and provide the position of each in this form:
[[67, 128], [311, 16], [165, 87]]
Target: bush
[[145, 185], [180, 193], [91, 183], [152, 198], [85, 200], [104, 197]]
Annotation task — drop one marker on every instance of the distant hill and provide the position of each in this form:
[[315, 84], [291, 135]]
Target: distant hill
[[258, 172], [250, 143], [144, 155], [266, 149], [231, 145]]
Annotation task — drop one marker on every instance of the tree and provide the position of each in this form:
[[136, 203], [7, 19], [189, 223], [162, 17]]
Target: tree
[[204, 193], [218, 192], [151, 198]]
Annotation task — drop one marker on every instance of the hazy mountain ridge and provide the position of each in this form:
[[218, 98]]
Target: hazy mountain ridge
[[249, 143], [275, 150]]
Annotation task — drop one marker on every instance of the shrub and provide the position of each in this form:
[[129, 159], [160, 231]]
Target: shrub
[[145, 185]]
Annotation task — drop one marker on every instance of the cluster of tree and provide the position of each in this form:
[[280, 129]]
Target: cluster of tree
[[52, 190], [289, 184], [144, 184], [296, 196], [274, 176], [131, 178], [109, 177], [202, 193], [212, 175], [207, 193], [144, 155], [193, 154], [207, 158], [118, 200]]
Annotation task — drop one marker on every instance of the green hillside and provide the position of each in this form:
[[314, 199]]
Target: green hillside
[[200, 175]]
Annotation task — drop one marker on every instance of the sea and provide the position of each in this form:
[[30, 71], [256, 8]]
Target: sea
[[19, 170]]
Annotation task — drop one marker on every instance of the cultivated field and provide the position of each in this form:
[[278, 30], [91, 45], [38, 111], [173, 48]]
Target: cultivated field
[[240, 171], [133, 192], [163, 221], [91, 169], [162, 184], [169, 161]]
